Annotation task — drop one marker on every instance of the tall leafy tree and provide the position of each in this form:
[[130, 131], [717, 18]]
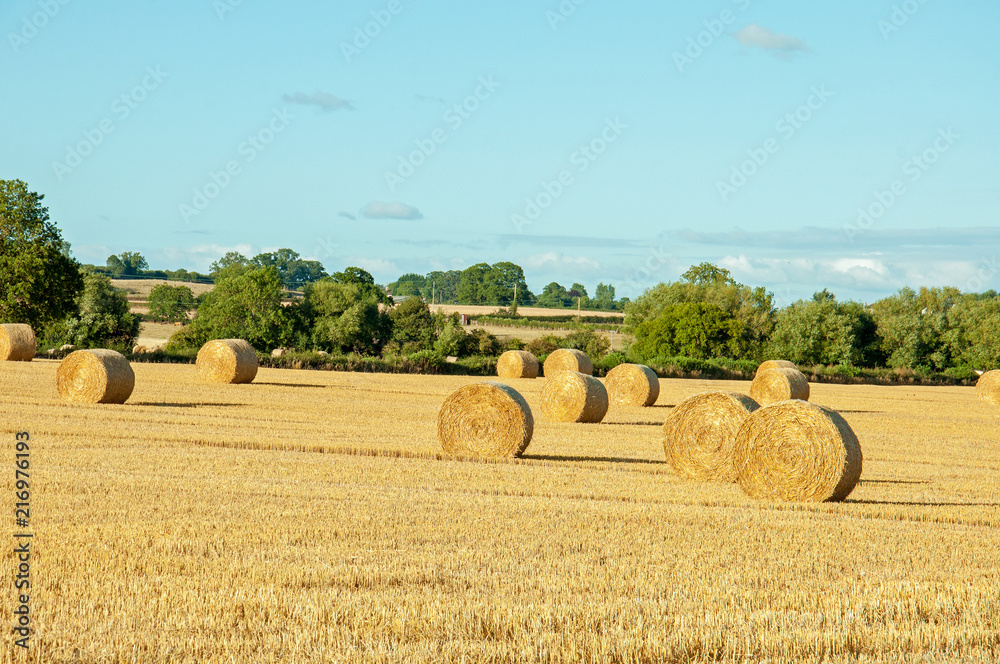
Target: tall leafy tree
[[293, 269], [441, 287], [914, 327], [472, 287], [246, 306], [104, 319], [346, 317], [412, 326], [692, 329], [170, 303], [824, 331], [554, 295], [364, 281], [753, 308], [232, 264], [39, 281]]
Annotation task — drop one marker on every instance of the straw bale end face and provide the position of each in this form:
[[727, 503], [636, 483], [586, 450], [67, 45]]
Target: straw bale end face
[[517, 364], [699, 434], [488, 419], [95, 376], [17, 343], [570, 396], [567, 359], [774, 385], [988, 387], [797, 451], [227, 361], [632, 385]]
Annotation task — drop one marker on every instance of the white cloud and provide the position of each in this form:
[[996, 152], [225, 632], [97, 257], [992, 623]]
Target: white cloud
[[379, 210], [756, 36], [323, 100], [554, 260], [200, 257], [381, 269]]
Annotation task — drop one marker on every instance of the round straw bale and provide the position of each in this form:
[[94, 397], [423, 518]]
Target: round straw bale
[[797, 451], [773, 385], [632, 385], [568, 359], [139, 350], [517, 364], [227, 361], [988, 387], [699, 434], [95, 376], [17, 343], [486, 419], [570, 396], [776, 364]]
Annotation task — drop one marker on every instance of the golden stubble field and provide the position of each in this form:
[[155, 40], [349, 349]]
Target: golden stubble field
[[309, 517]]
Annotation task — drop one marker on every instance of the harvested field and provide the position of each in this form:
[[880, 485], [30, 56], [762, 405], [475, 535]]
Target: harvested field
[[312, 517]]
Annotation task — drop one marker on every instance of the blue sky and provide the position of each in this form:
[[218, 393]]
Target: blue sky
[[850, 146]]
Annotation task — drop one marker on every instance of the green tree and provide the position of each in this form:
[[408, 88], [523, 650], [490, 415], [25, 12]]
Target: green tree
[[692, 329], [408, 284], [973, 335], [824, 331], [246, 306], [364, 281], [604, 296], [104, 320], [442, 287], [914, 327], [231, 265], [412, 326], [451, 340], [554, 296], [346, 317], [293, 269], [170, 303], [752, 308], [471, 288], [39, 281], [127, 264]]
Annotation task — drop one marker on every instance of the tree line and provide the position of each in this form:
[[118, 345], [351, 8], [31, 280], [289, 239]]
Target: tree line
[[704, 315], [497, 285]]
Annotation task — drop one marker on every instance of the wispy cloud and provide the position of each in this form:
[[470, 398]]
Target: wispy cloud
[[323, 100], [377, 210], [346, 215], [433, 100], [756, 36], [557, 261]]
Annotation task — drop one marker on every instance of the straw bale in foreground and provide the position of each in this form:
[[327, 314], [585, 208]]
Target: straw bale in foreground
[[797, 451], [570, 396], [632, 385], [17, 343], [95, 376], [486, 419], [988, 387], [699, 434], [774, 385], [227, 361]]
